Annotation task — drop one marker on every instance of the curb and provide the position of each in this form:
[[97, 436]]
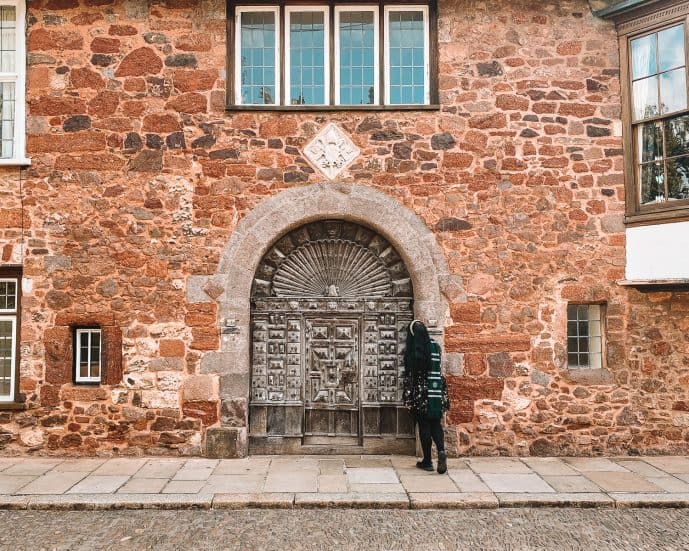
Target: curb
[[413, 501]]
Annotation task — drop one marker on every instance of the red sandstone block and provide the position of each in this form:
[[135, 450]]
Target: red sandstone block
[[194, 80], [569, 48], [83, 77], [510, 102], [51, 106], [84, 393], [468, 312], [475, 364], [10, 218], [456, 341], [44, 40], [58, 355], [279, 126], [171, 348], [92, 161], [81, 318], [104, 104], [194, 42], [122, 30], [7, 248], [86, 18], [205, 338], [581, 110], [104, 45], [162, 122], [457, 160], [140, 62], [206, 411], [188, 103], [65, 143], [464, 391], [492, 120]]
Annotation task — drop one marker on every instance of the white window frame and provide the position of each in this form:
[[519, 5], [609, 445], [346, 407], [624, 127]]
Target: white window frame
[[9, 398], [376, 49], [596, 358], [19, 78], [426, 51], [239, 10], [325, 10], [77, 347], [16, 299]]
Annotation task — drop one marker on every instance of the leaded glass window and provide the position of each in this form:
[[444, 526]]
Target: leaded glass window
[[258, 62], [332, 54], [584, 336], [307, 57], [356, 45], [407, 55]]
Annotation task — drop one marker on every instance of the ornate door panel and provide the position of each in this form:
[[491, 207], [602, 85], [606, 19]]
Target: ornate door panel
[[331, 376], [330, 305]]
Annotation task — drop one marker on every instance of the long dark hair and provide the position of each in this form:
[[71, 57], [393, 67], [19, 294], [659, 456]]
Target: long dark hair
[[417, 356]]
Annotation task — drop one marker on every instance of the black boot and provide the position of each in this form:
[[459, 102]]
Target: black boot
[[442, 463], [424, 465]]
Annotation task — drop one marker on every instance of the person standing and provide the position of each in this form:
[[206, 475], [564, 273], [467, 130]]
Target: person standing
[[425, 393]]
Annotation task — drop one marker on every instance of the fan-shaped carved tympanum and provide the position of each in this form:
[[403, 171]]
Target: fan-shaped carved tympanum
[[332, 258]]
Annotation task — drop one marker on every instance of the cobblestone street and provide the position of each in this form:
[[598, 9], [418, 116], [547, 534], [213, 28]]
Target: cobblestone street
[[508, 529]]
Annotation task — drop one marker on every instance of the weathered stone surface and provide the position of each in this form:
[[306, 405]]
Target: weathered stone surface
[[140, 179]]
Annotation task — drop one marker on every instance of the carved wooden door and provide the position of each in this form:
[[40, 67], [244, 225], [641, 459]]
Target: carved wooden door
[[331, 379], [330, 304]]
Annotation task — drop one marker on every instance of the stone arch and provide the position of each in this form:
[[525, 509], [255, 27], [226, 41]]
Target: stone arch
[[257, 232]]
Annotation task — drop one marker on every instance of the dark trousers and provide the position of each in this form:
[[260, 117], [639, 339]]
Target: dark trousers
[[430, 430]]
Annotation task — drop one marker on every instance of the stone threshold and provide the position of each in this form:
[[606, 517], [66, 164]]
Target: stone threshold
[[438, 501]]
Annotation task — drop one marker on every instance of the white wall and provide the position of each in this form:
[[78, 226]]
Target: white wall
[[658, 252]]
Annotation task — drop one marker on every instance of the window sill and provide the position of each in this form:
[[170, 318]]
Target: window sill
[[589, 376], [655, 285], [12, 406], [677, 214], [331, 108], [15, 162]]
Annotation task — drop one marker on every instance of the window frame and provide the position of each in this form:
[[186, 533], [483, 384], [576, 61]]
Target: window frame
[[339, 9], [238, 51], [233, 96], [426, 49], [603, 329], [19, 78], [643, 23], [287, 57], [77, 378], [14, 315]]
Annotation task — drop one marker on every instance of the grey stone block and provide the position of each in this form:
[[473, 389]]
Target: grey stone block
[[226, 442]]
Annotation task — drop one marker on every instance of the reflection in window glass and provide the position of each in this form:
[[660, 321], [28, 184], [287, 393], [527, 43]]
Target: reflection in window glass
[[407, 69], [645, 92], [644, 56], [663, 148], [671, 48], [258, 43], [673, 91], [307, 58], [357, 57]]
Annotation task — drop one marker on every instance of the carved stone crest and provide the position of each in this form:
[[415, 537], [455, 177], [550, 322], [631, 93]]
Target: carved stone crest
[[331, 151]]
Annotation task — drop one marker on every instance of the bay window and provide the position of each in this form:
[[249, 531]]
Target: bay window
[[656, 136], [332, 55]]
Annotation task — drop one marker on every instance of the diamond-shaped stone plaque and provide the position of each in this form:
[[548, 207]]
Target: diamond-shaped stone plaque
[[331, 151]]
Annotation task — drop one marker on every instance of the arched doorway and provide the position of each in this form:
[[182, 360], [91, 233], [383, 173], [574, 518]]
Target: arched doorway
[[330, 303]]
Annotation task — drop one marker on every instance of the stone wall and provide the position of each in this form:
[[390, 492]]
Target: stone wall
[[140, 177]]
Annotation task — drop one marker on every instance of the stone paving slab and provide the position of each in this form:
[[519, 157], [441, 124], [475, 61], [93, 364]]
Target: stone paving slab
[[453, 500], [342, 481], [352, 501], [253, 501]]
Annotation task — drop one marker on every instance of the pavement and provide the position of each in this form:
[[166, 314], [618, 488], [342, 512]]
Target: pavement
[[315, 482]]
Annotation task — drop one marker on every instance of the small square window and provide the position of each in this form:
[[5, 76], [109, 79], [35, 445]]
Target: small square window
[[585, 336], [87, 355]]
